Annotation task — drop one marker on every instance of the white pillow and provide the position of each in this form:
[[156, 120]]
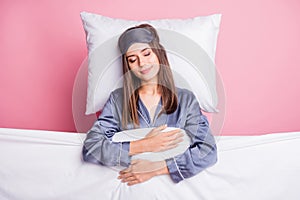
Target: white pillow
[[137, 134], [190, 45]]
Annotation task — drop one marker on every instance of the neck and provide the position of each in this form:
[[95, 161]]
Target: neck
[[149, 88]]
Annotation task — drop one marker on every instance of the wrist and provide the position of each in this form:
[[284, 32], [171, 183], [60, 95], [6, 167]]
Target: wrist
[[137, 147], [163, 170]]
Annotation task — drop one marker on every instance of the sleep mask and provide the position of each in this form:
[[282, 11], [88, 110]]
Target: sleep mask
[[137, 35]]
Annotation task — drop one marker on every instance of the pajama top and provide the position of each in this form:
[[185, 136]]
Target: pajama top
[[99, 148]]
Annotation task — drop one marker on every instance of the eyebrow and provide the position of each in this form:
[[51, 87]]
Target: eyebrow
[[141, 51]]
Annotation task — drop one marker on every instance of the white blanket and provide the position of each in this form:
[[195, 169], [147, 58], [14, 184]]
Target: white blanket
[[46, 165]]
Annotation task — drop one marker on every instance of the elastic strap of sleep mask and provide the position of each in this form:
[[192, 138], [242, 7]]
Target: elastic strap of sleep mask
[[137, 35]]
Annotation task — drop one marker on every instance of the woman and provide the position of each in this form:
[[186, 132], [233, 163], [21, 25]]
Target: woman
[[149, 98]]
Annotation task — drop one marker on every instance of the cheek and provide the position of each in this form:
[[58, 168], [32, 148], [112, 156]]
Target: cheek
[[156, 68], [132, 66], [133, 69], [154, 59]]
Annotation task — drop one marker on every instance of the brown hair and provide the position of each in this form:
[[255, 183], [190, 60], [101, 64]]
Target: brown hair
[[132, 84]]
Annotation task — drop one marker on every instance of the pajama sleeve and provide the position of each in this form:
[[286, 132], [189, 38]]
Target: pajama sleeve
[[202, 151], [98, 146]]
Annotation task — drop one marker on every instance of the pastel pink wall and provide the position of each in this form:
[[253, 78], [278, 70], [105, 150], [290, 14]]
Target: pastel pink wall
[[43, 46]]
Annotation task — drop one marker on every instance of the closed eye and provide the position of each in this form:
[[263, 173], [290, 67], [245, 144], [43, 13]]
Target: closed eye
[[147, 53], [131, 60]]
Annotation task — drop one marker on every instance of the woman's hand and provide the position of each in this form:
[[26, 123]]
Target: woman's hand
[[142, 170], [157, 140]]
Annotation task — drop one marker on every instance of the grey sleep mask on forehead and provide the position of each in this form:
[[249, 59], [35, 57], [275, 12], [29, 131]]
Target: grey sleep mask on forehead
[[137, 35]]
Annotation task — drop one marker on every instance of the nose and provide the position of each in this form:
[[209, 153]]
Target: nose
[[142, 61]]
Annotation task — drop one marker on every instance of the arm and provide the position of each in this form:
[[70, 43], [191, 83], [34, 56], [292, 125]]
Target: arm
[[202, 151], [98, 146]]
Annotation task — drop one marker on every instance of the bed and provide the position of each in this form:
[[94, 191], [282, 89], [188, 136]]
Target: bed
[[40, 164]]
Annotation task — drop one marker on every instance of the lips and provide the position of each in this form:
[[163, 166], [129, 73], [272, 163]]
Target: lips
[[145, 71]]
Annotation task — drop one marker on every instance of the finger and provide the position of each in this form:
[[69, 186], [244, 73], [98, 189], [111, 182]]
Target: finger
[[124, 176], [133, 182], [176, 140], [172, 138], [128, 179], [133, 162], [122, 172], [125, 170], [172, 132], [160, 128], [156, 130], [176, 136], [172, 146]]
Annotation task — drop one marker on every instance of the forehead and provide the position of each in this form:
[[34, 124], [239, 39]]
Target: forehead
[[137, 47]]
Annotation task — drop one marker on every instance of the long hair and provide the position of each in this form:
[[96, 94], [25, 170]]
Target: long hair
[[132, 84]]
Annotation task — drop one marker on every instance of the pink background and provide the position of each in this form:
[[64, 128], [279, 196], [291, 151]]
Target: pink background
[[43, 46]]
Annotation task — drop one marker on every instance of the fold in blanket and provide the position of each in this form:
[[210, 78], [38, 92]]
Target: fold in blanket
[[37, 164]]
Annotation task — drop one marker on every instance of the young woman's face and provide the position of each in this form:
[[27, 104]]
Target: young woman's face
[[143, 62]]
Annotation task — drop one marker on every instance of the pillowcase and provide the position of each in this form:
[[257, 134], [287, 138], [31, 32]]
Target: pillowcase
[[190, 45]]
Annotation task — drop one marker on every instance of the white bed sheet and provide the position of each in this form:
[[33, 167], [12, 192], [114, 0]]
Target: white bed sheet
[[42, 165]]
